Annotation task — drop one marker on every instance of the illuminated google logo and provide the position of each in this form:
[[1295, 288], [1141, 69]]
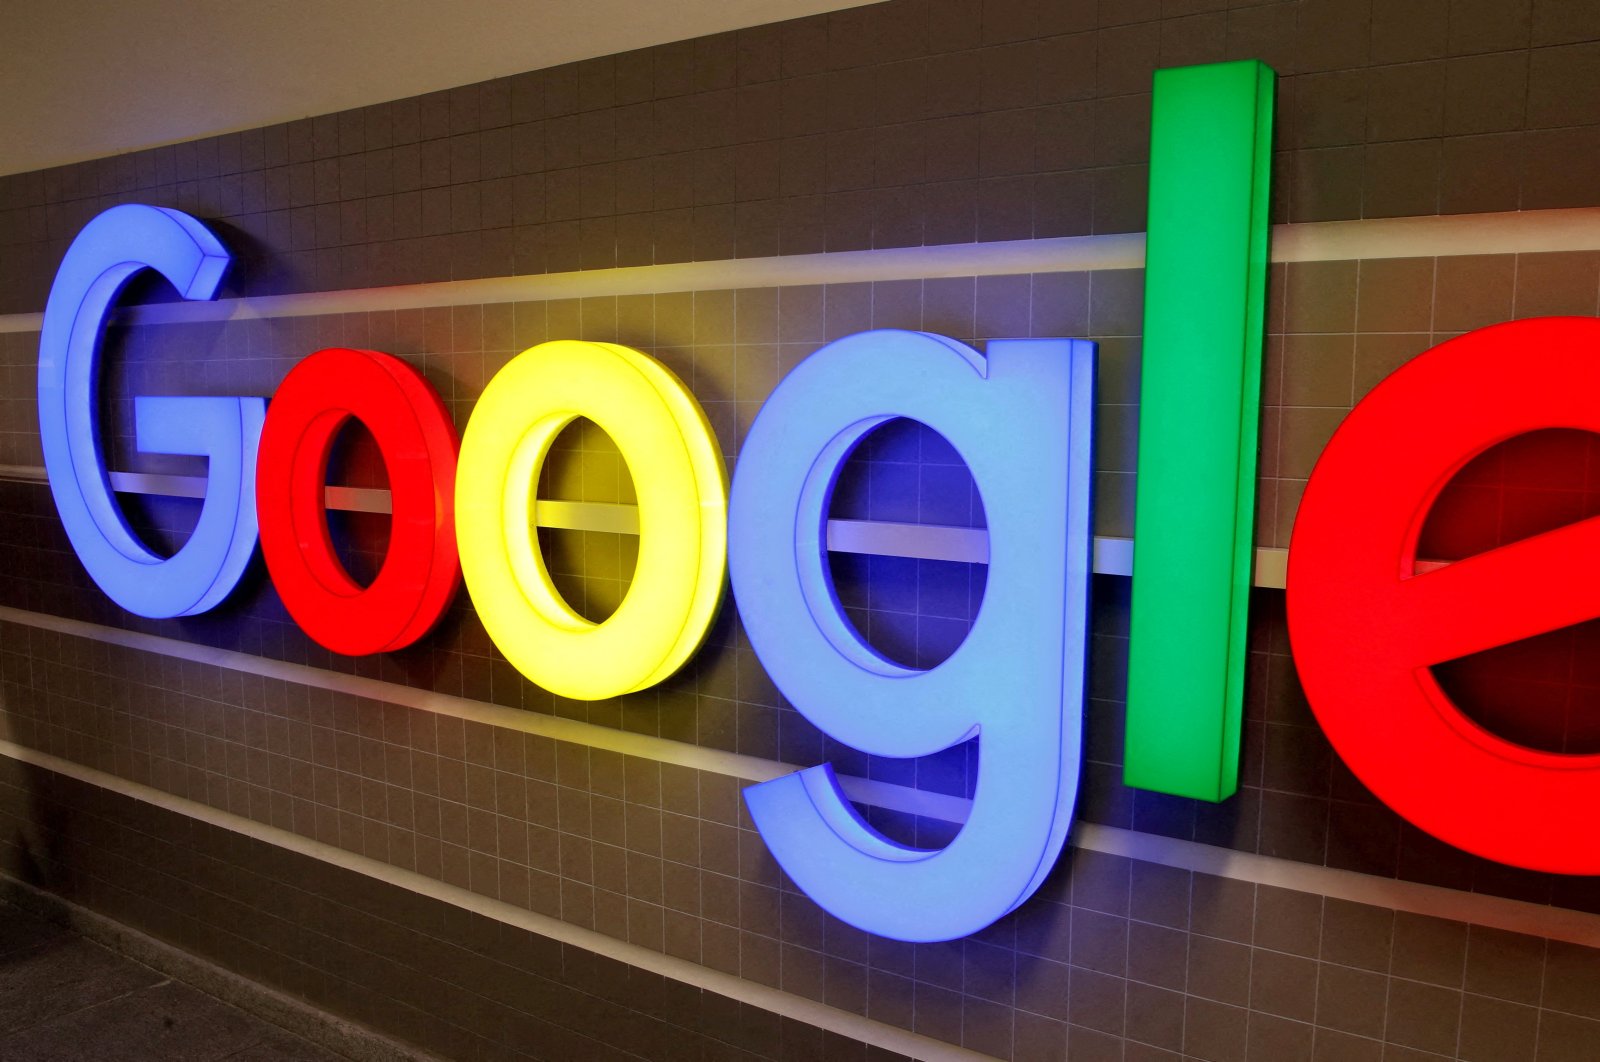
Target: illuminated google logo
[[1366, 624], [1017, 678]]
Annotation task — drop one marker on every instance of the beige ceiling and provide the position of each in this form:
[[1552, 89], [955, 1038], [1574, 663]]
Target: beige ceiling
[[85, 78]]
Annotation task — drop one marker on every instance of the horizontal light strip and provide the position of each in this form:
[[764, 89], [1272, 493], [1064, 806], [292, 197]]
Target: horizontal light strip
[[1112, 556], [772, 1000], [1061, 254], [1439, 236], [662, 750], [1555, 923], [1474, 908], [347, 499], [921, 541], [587, 516], [1512, 232]]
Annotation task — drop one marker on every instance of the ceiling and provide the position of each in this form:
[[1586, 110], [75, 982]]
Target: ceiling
[[85, 78]]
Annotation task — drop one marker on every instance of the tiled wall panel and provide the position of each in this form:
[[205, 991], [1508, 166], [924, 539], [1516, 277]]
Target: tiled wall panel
[[897, 124], [906, 123], [455, 983]]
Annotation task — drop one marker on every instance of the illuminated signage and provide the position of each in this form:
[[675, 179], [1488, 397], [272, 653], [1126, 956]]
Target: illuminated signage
[[1015, 683], [110, 251], [1366, 626], [418, 442], [1199, 411], [677, 471]]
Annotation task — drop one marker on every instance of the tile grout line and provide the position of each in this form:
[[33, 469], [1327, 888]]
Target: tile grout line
[[1508, 232], [64, 1015], [772, 1000], [1496, 912]]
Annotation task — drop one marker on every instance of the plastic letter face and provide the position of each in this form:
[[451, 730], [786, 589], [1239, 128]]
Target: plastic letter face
[[1016, 683], [1199, 414], [413, 431], [109, 251], [678, 474], [1367, 627]]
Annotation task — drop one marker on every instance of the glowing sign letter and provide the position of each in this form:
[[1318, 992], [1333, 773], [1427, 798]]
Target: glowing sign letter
[[109, 251], [1022, 419], [1199, 402], [1367, 627], [678, 474], [418, 443]]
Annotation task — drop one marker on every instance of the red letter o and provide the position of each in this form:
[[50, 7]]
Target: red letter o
[[418, 441]]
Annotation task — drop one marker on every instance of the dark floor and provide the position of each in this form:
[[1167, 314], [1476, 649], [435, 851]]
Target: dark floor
[[64, 998]]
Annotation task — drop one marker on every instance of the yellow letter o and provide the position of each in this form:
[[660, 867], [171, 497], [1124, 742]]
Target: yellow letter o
[[683, 502]]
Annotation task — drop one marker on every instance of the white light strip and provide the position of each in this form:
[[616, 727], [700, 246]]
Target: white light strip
[[1474, 908], [969, 545], [1512, 232], [587, 516], [662, 750], [1061, 254], [1112, 556], [1439, 236], [347, 499], [1516, 916], [772, 1000]]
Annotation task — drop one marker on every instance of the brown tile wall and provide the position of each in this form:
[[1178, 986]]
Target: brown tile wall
[[1114, 958], [453, 982], [898, 124]]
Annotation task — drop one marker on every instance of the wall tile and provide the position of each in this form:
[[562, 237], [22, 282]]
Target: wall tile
[[889, 126]]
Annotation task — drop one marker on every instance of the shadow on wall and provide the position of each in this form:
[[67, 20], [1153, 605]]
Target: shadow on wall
[[35, 853]]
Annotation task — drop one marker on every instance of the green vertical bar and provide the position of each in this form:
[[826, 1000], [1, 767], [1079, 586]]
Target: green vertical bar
[[1199, 413]]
